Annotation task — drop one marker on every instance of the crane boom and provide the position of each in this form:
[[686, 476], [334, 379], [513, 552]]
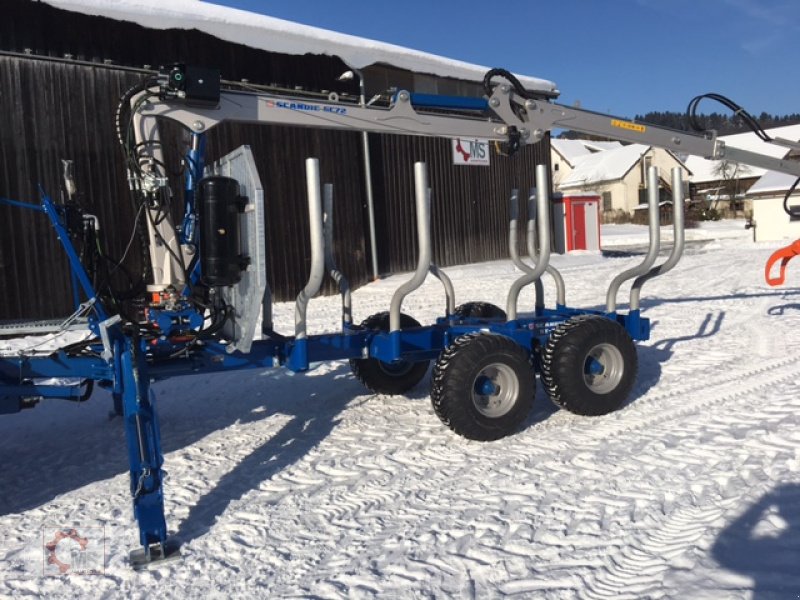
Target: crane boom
[[509, 115]]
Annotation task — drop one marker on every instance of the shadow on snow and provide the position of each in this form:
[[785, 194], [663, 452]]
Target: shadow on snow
[[763, 543], [66, 446]]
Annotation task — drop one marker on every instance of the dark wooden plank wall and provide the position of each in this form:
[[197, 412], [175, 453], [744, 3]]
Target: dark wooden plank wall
[[54, 110], [469, 205], [63, 109]]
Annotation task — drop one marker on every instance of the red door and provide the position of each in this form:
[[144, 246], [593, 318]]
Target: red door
[[578, 211]]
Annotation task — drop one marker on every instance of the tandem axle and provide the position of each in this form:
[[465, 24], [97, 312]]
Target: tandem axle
[[208, 284]]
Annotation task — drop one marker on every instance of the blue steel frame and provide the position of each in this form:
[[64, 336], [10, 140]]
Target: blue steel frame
[[132, 365]]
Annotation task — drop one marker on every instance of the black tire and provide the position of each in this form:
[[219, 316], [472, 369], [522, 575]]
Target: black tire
[[483, 386], [388, 378], [479, 310], [589, 365]]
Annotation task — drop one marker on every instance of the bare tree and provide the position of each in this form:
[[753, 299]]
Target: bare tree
[[729, 187]]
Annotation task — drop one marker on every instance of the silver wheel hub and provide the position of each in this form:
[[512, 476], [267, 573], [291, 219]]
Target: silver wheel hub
[[603, 368], [495, 390]]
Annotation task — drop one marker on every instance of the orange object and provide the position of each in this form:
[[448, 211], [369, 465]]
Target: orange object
[[785, 255]]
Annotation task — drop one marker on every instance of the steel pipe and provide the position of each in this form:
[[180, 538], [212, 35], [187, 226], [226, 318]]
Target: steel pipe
[[330, 264], [679, 239], [422, 199], [561, 292], [655, 243], [543, 206], [317, 248], [512, 247]]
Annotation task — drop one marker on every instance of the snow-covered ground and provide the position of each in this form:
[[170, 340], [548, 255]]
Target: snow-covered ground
[[286, 485]]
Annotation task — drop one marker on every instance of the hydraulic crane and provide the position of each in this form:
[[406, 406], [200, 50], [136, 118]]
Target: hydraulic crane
[[208, 286]]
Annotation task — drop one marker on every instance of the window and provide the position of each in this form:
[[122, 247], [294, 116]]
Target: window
[[607, 206]]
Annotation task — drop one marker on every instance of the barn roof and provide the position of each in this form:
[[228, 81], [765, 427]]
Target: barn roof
[[277, 35]]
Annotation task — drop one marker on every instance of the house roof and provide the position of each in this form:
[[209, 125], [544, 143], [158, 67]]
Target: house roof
[[595, 146], [610, 165], [573, 151], [705, 171], [570, 150], [772, 182], [277, 35]]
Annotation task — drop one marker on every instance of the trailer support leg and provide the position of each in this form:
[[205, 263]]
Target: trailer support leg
[[144, 455]]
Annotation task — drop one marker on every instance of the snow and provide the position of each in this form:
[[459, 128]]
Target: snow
[[705, 171], [574, 151], [772, 182], [599, 146], [609, 165], [277, 35], [570, 150], [305, 486]]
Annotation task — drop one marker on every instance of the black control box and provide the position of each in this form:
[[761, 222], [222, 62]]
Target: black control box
[[196, 86]]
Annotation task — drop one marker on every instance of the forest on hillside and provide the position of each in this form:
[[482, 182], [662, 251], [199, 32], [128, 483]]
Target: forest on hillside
[[723, 124]]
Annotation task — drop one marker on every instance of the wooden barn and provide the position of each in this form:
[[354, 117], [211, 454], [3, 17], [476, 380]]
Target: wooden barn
[[65, 63]]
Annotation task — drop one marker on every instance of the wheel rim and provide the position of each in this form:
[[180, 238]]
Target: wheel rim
[[396, 369], [603, 368], [495, 390]]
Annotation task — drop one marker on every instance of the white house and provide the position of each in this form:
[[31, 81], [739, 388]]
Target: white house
[[770, 220], [565, 154], [619, 175], [722, 181]]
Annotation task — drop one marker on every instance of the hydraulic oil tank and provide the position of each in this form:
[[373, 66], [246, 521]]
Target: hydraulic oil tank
[[219, 206]]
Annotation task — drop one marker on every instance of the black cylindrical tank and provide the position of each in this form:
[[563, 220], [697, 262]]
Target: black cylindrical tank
[[218, 205]]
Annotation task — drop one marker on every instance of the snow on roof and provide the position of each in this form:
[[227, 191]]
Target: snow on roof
[[604, 166], [559, 196], [772, 182], [573, 151], [704, 171], [277, 35], [570, 150], [600, 146]]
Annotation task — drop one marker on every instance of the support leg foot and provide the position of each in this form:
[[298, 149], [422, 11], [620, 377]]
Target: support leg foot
[[155, 555]]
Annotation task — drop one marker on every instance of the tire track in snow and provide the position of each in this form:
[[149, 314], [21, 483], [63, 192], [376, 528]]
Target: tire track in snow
[[356, 511], [712, 391], [637, 566], [364, 505], [636, 570]]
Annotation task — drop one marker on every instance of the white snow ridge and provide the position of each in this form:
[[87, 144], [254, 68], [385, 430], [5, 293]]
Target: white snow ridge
[[306, 486]]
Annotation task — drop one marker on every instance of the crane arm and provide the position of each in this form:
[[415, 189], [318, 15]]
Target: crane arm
[[508, 115]]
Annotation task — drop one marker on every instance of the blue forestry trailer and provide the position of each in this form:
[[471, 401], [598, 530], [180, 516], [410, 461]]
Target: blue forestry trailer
[[207, 285]]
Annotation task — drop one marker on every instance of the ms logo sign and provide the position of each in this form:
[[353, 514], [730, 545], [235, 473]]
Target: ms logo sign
[[471, 152]]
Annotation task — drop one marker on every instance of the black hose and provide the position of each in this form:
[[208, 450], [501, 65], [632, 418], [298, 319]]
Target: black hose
[[749, 120], [217, 324], [792, 211], [89, 383], [518, 87], [124, 104]]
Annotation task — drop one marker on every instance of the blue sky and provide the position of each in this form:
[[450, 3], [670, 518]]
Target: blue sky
[[625, 57]]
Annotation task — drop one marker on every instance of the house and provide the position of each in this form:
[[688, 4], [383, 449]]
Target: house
[[619, 175], [724, 184], [770, 221], [566, 153]]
